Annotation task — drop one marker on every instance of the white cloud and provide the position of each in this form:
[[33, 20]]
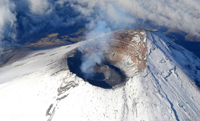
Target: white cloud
[[180, 14], [39, 7], [7, 21]]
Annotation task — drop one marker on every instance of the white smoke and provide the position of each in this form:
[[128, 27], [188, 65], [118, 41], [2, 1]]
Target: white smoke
[[88, 63], [97, 47], [22, 18]]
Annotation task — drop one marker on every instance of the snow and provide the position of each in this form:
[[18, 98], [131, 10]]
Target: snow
[[31, 87], [39, 88]]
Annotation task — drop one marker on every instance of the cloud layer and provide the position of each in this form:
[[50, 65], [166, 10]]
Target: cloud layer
[[180, 14], [22, 18]]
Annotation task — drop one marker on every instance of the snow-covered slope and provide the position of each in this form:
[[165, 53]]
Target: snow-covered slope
[[40, 87]]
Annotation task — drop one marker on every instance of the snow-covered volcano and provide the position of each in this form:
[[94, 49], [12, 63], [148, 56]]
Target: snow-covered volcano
[[40, 87]]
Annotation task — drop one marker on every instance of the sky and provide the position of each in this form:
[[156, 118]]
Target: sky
[[19, 19]]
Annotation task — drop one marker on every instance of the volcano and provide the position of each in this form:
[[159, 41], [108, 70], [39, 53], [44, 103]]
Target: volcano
[[141, 75], [124, 54]]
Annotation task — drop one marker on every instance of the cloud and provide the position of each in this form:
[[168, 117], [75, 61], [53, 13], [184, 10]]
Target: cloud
[[39, 7], [22, 18], [7, 23], [180, 14]]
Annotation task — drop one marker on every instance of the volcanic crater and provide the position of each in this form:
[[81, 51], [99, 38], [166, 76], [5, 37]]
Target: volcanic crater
[[123, 55]]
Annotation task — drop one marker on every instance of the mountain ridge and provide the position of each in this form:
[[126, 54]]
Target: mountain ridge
[[166, 90]]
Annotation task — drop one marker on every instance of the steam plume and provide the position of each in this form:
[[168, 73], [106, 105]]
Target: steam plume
[[97, 48]]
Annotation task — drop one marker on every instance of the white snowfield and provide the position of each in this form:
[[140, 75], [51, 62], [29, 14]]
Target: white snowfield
[[40, 87]]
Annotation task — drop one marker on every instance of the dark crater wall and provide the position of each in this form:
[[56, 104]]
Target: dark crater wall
[[106, 75]]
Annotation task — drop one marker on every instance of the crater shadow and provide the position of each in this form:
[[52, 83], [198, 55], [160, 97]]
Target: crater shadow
[[105, 76]]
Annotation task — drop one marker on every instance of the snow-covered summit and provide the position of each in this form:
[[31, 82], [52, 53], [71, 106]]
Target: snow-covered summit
[[40, 87]]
